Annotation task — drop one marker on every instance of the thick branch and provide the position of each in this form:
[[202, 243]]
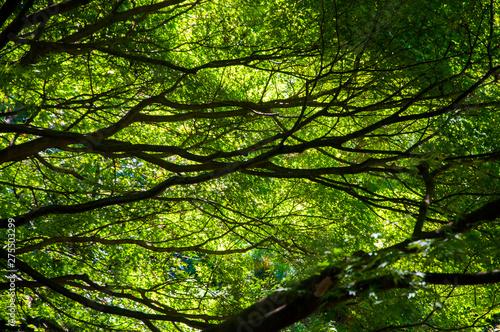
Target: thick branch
[[426, 202], [22, 21], [282, 309], [7, 9], [11, 31], [458, 279], [488, 212]]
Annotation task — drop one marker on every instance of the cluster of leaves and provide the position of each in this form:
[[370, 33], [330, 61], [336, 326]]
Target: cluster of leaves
[[168, 163]]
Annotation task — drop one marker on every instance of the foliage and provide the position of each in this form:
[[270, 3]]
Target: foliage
[[169, 163]]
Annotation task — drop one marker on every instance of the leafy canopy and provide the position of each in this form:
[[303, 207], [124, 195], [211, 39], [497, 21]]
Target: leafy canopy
[[167, 164]]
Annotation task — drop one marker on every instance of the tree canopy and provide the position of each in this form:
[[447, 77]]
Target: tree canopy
[[248, 165]]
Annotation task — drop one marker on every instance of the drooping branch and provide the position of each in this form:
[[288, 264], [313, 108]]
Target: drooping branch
[[55, 286]]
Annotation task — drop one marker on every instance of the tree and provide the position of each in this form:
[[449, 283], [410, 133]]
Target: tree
[[250, 166]]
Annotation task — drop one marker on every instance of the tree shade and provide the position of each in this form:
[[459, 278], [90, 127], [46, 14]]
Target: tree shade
[[247, 165]]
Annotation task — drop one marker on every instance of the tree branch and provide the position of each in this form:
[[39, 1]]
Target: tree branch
[[23, 267], [423, 167]]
